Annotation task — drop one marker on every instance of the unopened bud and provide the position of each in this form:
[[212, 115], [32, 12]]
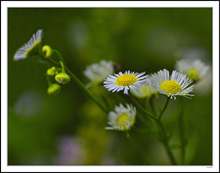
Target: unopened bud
[[54, 89], [47, 51], [52, 71], [62, 78]]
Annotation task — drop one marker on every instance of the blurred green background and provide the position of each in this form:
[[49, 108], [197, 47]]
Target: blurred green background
[[69, 128]]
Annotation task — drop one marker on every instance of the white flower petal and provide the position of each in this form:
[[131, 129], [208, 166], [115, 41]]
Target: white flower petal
[[99, 71], [111, 85], [185, 65], [158, 78], [22, 52]]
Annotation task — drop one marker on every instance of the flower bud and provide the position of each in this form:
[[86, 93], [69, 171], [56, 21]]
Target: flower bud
[[52, 71], [54, 89], [62, 78], [47, 51]]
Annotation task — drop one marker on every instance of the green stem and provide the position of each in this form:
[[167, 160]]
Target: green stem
[[152, 105], [165, 138], [59, 54], [140, 107], [165, 107], [166, 144], [182, 135], [182, 139], [62, 66], [88, 93], [48, 81]]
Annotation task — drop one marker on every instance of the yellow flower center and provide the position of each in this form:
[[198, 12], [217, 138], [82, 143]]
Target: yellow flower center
[[96, 78], [126, 79], [171, 87], [144, 89], [123, 120], [193, 75]]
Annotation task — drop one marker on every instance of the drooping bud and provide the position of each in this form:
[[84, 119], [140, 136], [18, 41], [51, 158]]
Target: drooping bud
[[54, 89], [62, 78], [47, 51]]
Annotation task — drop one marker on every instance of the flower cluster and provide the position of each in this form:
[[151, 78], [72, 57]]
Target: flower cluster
[[181, 82], [142, 86], [162, 82]]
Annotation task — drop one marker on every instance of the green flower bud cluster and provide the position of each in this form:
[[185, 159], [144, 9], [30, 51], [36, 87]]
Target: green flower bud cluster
[[53, 71], [60, 77]]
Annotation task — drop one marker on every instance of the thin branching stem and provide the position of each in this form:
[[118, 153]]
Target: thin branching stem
[[48, 80], [87, 92], [181, 130], [165, 107], [140, 107], [165, 138], [59, 54], [151, 102], [62, 66], [166, 144]]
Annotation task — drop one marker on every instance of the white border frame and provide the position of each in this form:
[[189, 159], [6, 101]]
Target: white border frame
[[109, 4]]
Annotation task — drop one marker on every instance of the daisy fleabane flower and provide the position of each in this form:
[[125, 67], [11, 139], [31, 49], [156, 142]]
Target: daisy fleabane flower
[[194, 69], [125, 81], [145, 90], [97, 72], [175, 85], [29, 48], [122, 119]]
